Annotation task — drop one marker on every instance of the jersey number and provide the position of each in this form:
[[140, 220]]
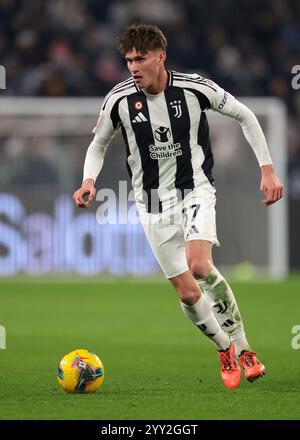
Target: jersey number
[[185, 213]]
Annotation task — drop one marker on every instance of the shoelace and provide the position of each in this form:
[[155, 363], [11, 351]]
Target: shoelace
[[227, 363], [248, 358]]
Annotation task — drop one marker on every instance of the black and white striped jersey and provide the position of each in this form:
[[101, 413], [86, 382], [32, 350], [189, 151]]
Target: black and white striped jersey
[[167, 135]]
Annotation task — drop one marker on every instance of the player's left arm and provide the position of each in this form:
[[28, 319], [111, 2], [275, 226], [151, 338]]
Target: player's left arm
[[223, 102], [270, 185]]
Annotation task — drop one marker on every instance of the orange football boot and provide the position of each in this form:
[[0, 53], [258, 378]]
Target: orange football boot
[[253, 368], [230, 370]]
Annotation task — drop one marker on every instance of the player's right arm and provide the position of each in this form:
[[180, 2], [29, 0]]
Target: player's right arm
[[104, 132]]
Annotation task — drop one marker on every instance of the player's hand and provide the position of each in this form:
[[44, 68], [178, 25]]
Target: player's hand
[[84, 196], [270, 185]]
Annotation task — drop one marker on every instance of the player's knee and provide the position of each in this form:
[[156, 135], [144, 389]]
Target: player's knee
[[200, 268], [189, 296]]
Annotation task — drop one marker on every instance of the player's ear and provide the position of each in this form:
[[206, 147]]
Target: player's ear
[[162, 57]]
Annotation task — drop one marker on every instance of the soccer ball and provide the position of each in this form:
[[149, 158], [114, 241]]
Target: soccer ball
[[80, 372]]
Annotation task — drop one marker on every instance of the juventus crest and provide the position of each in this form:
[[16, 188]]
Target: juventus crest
[[176, 105]]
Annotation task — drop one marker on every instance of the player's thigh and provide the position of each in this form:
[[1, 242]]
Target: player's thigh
[[167, 243], [199, 257], [199, 249]]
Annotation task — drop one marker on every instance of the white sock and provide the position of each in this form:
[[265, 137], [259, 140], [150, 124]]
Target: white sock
[[224, 307], [240, 343], [201, 315]]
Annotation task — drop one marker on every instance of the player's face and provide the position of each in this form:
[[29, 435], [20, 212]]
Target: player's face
[[145, 68]]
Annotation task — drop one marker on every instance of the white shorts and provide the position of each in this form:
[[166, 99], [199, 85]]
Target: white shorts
[[193, 218]]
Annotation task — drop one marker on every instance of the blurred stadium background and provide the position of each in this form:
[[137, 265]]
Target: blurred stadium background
[[62, 49]]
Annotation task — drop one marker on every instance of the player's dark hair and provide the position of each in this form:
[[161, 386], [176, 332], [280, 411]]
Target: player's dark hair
[[142, 37]]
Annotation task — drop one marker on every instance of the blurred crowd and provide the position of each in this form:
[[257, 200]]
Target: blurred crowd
[[68, 47]]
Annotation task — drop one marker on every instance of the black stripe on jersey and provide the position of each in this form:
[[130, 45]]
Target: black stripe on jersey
[[184, 180], [170, 77], [144, 138], [127, 149], [114, 114], [203, 99], [204, 141], [196, 81], [203, 136], [121, 89]]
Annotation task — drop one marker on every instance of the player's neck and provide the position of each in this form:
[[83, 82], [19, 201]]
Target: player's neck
[[159, 84]]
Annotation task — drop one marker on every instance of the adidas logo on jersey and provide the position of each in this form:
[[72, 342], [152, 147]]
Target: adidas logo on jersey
[[140, 118]]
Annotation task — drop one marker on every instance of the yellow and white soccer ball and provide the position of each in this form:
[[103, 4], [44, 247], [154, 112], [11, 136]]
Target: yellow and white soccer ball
[[80, 372]]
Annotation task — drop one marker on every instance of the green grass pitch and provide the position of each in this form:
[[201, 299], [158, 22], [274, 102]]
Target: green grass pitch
[[157, 364]]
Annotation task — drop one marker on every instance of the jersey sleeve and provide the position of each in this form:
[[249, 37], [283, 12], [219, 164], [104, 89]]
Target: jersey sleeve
[[223, 102], [219, 100], [108, 122], [94, 159], [105, 129]]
